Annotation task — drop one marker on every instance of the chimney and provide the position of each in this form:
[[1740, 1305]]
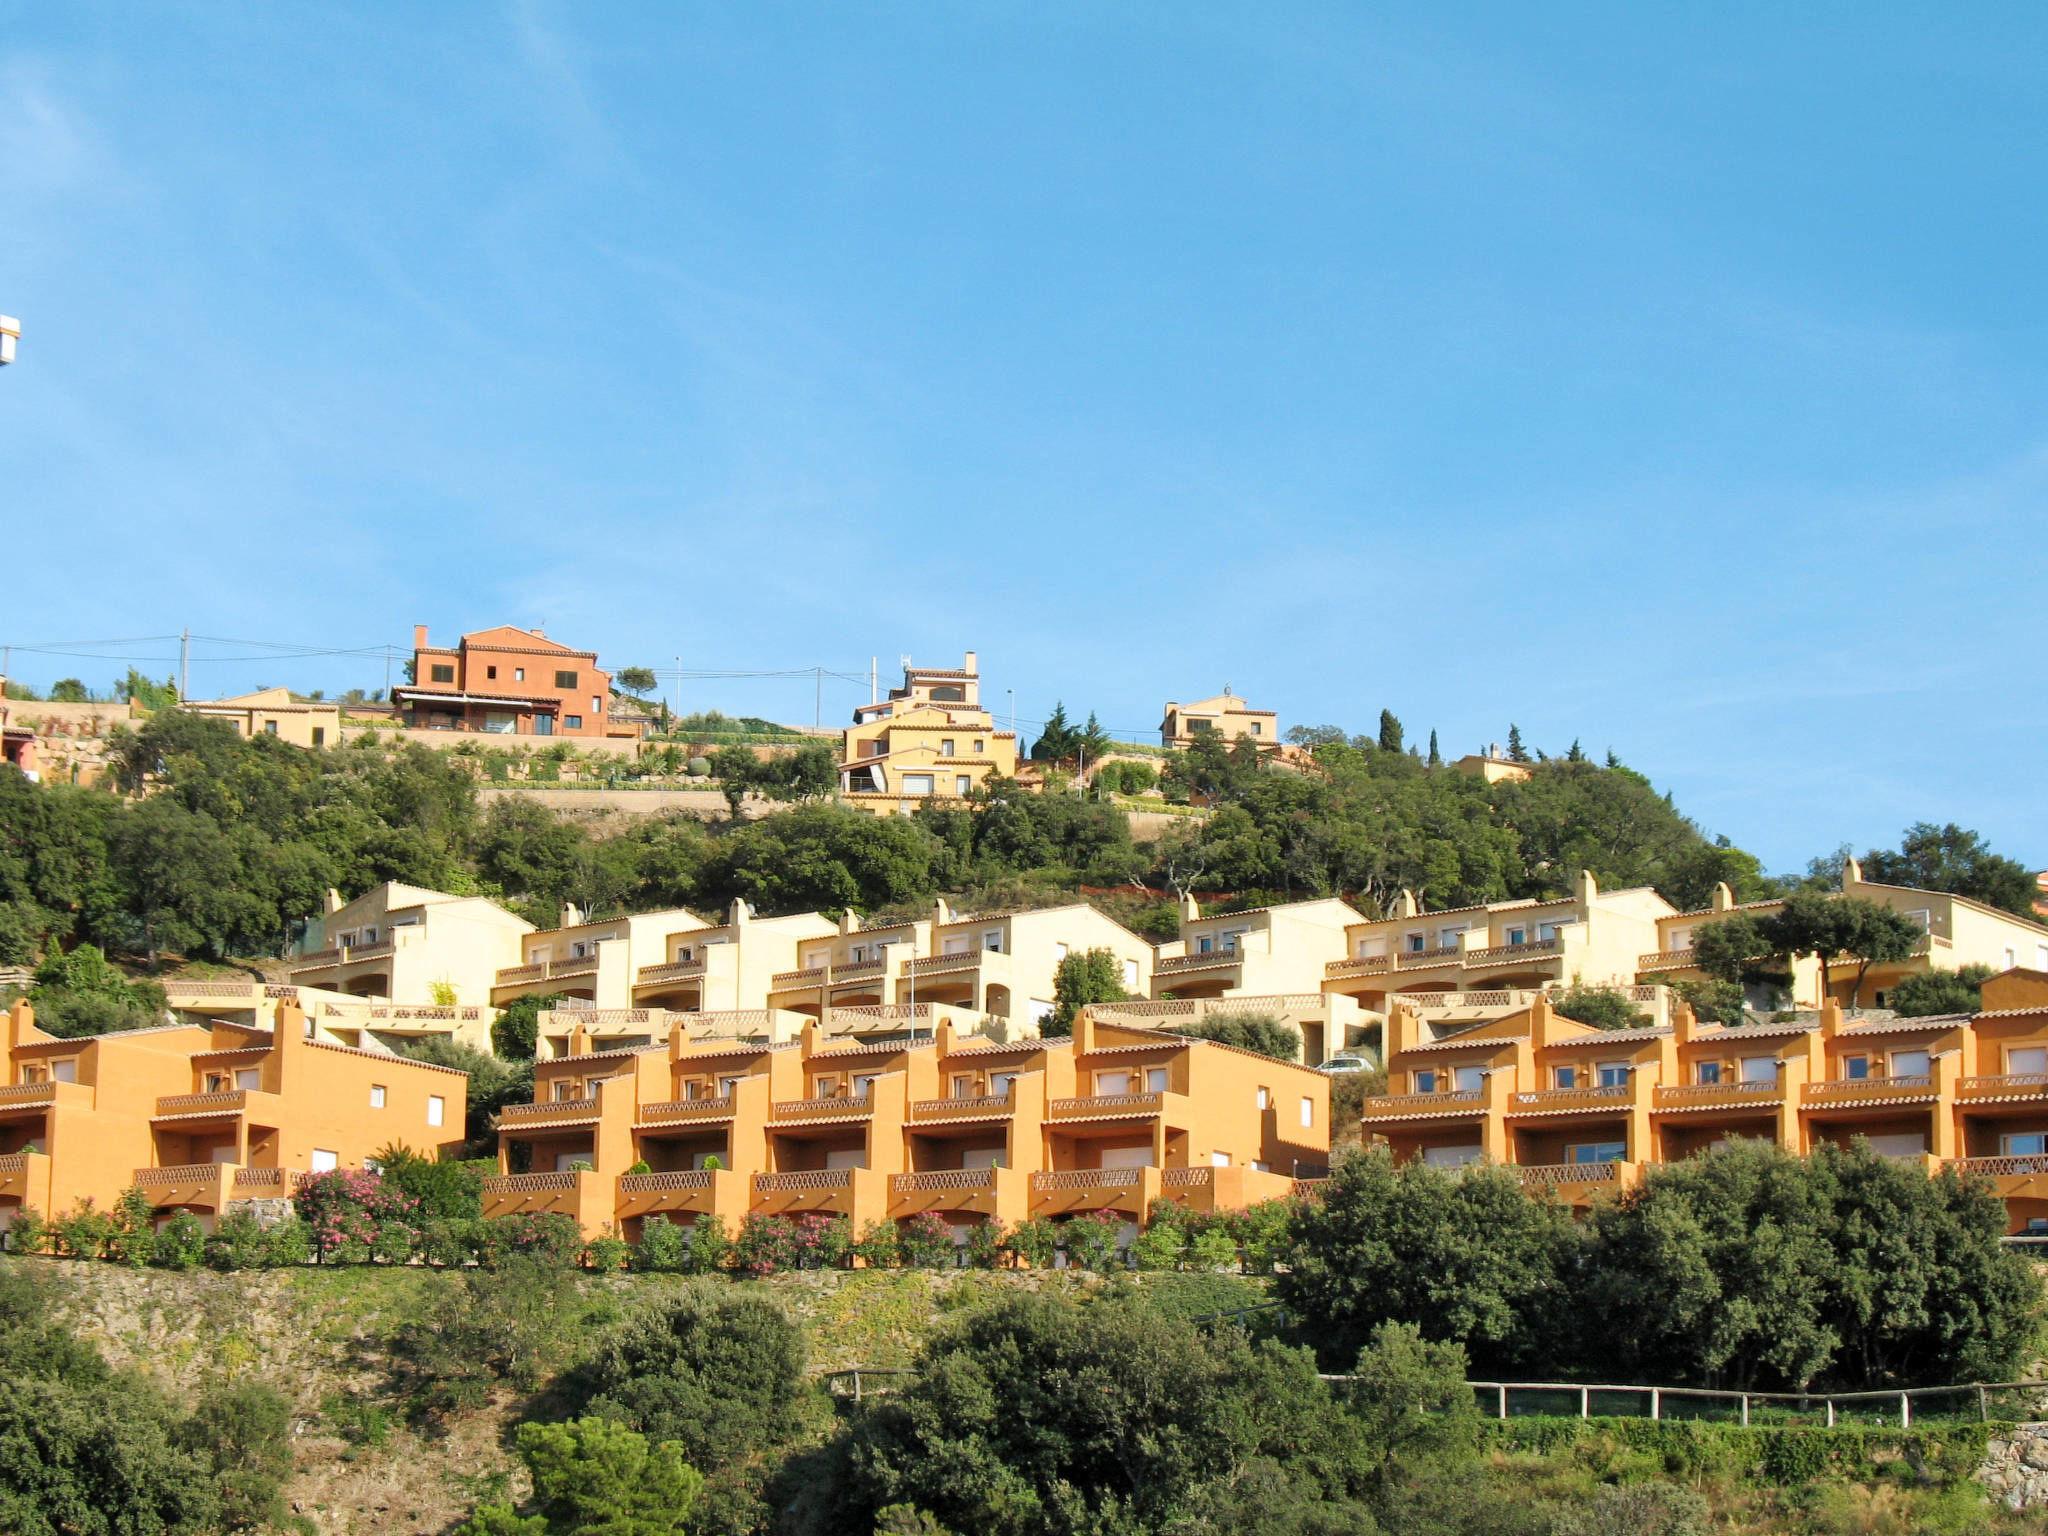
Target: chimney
[[1852, 872], [419, 637], [570, 916], [333, 904], [1724, 899], [971, 660], [1190, 909]]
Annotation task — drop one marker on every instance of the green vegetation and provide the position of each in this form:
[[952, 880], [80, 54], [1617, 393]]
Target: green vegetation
[[1936, 992], [1602, 1007], [1952, 858], [1248, 1030], [1087, 976]]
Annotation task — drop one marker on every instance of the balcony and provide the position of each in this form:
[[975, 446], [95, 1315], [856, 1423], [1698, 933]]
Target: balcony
[[558, 1112], [2000, 1167], [1105, 1106], [684, 1110], [28, 1095], [182, 1106], [1494, 954], [831, 1108], [25, 1178], [1407, 1106], [199, 1184], [804, 1181], [1436, 954], [1666, 960], [265, 1183], [1681, 1097], [675, 970], [2009, 1085], [689, 1191], [1131, 1190], [809, 976], [1363, 965], [536, 971], [981, 1106], [1868, 1091], [1003, 1192], [1592, 1096], [943, 1179], [940, 965], [1180, 965], [1578, 1183]]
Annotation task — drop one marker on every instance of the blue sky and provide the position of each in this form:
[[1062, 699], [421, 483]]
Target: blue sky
[[1670, 379]]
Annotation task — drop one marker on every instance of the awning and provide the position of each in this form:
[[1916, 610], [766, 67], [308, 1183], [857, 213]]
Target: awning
[[427, 696]]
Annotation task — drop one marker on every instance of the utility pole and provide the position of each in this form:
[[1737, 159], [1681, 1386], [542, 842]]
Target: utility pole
[[818, 702], [184, 665], [675, 708], [874, 688], [1013, 709]]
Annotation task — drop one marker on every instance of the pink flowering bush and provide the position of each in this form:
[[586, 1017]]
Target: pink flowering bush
[[354, 1215]]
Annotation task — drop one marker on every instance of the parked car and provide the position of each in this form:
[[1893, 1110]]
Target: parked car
[[1345, 1063]]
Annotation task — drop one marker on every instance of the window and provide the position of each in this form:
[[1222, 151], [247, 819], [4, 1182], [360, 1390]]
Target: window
[[543, 725], [1547, 932], [437, 1108], [2026, 1060], [963, 784], [572, 722], [1415, 943], [565, 1090], [992, 941], [963, 1085], [249, 1079], [319, 735], [1923, 918], [726, 1086], [566, 680], [490, 672], [1680, 938], [1155, 1079], [917, 783], [981, 746], [1447, 938], [596, 705], [270, 729], [1468, 1079], [2011, 957], [519, 674], [2023, 1144], [376, 1095], [1109, 1083], [1612, 1074], [1518, 936], [1759, 1069], [1451, 1157], [946, 748], [441, 673], [1130, 975], [324, 1161], [1425, 1080], [864, 1086], [956, 945], [1910, 1064], [1567, 1077], [1205, 945], [1257, 728], [1596, 1152], [1059, 953], [1855, 1068], [999, 1083], [1219, 1159], [1265, 1098], [1707, 1072], [1308, 1111]]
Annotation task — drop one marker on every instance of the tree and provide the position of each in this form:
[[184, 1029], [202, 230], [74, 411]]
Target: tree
[[1058, 742], [515, 1035], [1829, 927], [68, 690], [600, 1478], [1436, 758], [1601, 1007], [147, 692], [1576, 754], [1731, 949], [1390, 731], [1951, 858], [1464, 1255], [1928, 993], [1517, 753], [1248, 1030], [1411, 1397], [81, 994], [1087, 976], [637, 682]]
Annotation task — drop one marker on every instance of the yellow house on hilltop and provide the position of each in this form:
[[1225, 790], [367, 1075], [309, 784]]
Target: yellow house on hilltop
[[929, 740], [1225, 716]]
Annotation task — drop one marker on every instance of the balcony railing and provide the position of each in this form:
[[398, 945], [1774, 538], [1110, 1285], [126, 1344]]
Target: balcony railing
[[1513, 951], [810, 975], [865, 970], [558, 1109], [1088, 1178], [980, 1104], [675, 970], [17, 1094], [657, 1183], [1456, 1101], [1996, 1166], [530, 1183], [1178, 963], [234, 989], [1362, 965], [688, 1109], [2009, 1084], [1549, 1175], [263, 1178], [1187, 1178], [943, 1178], [811, 1109], [181, 1173], [807, 1180], [1836, 1090], [231, 1100], [1701, 1095], [1667, 960], [1436, 954], [1106, 1104], [546, 970], [1591, 1095], [513, 975]]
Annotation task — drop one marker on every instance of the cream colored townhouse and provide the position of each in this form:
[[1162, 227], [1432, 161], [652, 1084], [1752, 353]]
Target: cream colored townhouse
[[407, 944], [592, 962], [1226, 717], [929, 740]]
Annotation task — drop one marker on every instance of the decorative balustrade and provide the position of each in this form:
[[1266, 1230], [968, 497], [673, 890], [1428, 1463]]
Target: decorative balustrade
[[1513, 951], [28, 1093], [182, 1173], [1106, 1104], [1692, 1095], [513, 975], [558, 1109], [865, 970], [1187, 1178], [1455, 1101], [281, 990], [2009, 1167], [943, 1178], [235, 989], [957, 1107], [230, 1099], [606, 1018], [806, 1109], [314, 959], [1359, 965], [555, 1182], [1591, 1095], [261, 1178], [658, 1183], [2027, 1084], [1436, 954], [1546, 1175], [14, 1162], [1088, 1178], [1177, 963], [675, 970], [1910, 1086], [798, 1183], [687, 1109], [808, 976], [1666, 960], [423, 1013]]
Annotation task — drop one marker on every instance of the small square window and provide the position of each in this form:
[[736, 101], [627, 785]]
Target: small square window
[[519, 674], [572, 722], [1308, 1111], [376, 1095], [1265, 1098], [437, 1107], [490, 671], [565, 680], [442, 673]]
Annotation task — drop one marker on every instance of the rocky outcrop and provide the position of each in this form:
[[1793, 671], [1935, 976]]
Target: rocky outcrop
[[2015, 1470]]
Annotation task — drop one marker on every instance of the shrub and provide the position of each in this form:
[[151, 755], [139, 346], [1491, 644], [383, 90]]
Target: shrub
[[347, 1211], [607, 1254], [926, 1241], [84, 1232], [450, 1190], [1036, 1242], [1601, 1007], [28, 1233], [1261, 1232], [718, 1370], [512, 1323], [1212, 1247], [710, 1248], [1638, 1509], [244, 1428], [876, 1247], [1164, 1242], [448, 1244], [1248, 1031], [288, 1244], [548, 1237], [131, 1239], [985, 1243], [818, 1241], [592, 1475], [1093, 1240], [236, 1242], [663, 1249], [766, 1245], [181, 1244]]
